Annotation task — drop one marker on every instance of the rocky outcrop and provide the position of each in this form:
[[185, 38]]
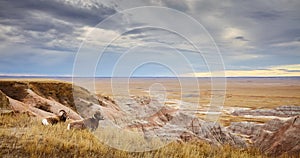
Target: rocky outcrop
[[164, 122], [274, 138], [46, 97], [282, 111], [277, 137], [40, 98], [245, 128], [50, 89], [138, 113]]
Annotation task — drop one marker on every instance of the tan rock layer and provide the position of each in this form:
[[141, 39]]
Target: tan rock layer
[[286, 139]]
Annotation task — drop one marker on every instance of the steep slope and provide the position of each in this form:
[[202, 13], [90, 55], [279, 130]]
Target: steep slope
[[46, 97], [39, 98], [274, 138], [59, 91], [277, 137]]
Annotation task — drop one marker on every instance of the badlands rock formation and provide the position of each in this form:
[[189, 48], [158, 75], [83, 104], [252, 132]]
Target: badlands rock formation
[[170, 123], [153, 119], [46, 98], [274, 137], [277, 136], [282, 111], [39, 98]]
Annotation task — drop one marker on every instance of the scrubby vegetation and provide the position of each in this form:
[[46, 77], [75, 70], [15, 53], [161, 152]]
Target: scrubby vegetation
[[22, 136]]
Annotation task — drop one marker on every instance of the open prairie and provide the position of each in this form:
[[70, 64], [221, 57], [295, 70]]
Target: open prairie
[[240, 92], [252, 93]]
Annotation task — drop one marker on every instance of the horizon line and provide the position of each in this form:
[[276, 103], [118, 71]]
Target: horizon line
[[69, 76]]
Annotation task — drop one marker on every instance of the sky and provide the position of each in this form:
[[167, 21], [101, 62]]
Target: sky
[[149, 38]]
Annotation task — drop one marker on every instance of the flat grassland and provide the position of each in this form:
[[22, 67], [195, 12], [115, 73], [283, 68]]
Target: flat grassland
[[240, 92], [252, 93]]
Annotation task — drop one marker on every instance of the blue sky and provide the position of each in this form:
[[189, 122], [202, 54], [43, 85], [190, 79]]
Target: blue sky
[[255, 38]]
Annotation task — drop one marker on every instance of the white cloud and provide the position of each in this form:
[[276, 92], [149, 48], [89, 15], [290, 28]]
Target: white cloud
[[287, 44], [98, 37], [12, 37], [273, 71], [232, 32], [286, 67]]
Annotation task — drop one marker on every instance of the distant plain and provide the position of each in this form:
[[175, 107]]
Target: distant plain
[[240, 92], [244, 92]]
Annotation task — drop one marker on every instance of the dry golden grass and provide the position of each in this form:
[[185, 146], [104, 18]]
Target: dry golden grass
[[225, 120], [22, 136]]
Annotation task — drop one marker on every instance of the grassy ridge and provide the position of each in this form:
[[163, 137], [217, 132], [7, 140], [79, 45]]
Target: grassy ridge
[[21, 136]]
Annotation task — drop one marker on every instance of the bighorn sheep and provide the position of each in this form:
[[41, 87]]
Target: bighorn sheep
[[89, 123], [62, 117]]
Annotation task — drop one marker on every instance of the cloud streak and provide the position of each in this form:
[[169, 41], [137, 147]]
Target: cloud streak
[[279, 71]]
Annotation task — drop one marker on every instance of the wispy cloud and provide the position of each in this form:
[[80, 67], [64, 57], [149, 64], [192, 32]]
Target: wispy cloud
[[288, 44], [283, 70]]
